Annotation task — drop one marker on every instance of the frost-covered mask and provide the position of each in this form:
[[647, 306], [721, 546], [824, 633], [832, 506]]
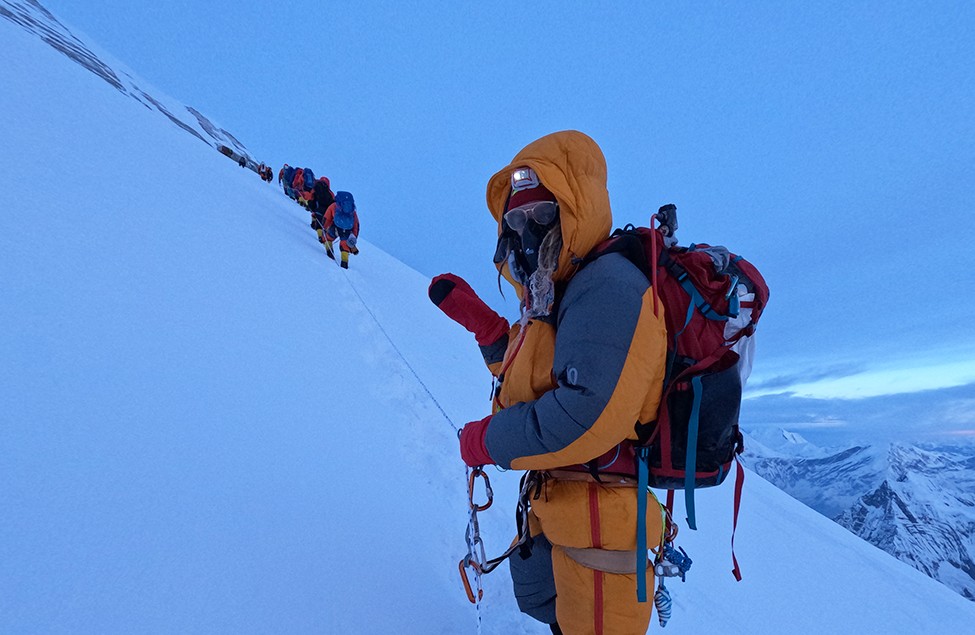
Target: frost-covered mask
[[529, 224]]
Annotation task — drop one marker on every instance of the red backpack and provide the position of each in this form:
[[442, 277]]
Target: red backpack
[[712, 301]]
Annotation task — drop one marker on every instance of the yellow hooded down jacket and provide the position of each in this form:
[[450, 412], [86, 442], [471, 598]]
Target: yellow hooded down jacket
[[576, 382], [579, 381]]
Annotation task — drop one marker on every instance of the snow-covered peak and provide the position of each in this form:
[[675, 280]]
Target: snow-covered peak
[[769, 441]]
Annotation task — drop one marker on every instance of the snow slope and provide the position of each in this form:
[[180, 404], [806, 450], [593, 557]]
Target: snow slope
[[207, 427]]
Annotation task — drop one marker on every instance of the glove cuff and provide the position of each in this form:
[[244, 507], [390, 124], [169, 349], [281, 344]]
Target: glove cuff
[[472, 447]]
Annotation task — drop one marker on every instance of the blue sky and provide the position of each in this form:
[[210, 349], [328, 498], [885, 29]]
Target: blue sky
[[831, 143]]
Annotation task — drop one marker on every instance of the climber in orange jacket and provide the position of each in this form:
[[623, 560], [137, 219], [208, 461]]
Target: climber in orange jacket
[[574, 378], [342, 222]]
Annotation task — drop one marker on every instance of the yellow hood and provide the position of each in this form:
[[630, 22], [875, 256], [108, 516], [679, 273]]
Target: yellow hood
[[573, 168]]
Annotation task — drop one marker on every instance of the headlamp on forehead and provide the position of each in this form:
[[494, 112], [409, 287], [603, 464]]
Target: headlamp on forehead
[[524, 179]]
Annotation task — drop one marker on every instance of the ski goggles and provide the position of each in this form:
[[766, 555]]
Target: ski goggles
[[524, 179], [541, 212]]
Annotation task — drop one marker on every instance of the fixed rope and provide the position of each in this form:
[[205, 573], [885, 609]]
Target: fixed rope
[[475, 547], [402, 356]]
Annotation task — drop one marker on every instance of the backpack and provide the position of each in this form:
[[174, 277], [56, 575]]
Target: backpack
[[344, 215], [712, 301], [289, 176], [309, 177]]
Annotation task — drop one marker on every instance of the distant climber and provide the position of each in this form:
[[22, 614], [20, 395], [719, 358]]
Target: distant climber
[[342, 222], [287, 178], [321, 199], [306, 186], [298, 184]]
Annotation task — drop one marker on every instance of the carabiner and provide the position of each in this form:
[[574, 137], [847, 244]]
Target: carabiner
[[462, 566], [477, 471]]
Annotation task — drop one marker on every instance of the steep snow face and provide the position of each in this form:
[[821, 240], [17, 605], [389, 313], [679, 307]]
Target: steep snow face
[[38, 21], [916, 504], [208, 427], [203, 425]]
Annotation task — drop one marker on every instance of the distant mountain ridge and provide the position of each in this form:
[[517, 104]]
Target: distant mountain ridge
[[37, 20], [917, 504]]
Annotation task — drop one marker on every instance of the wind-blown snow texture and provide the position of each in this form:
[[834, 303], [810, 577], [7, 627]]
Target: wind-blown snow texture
[[207, 427]]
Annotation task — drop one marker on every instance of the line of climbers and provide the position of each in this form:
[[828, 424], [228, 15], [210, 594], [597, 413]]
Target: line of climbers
[[333, 214]]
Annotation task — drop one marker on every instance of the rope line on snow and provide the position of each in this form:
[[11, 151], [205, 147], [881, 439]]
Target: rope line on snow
[[401, 355], [472, 521]]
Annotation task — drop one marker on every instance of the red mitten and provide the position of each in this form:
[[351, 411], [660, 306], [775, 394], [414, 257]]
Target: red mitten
[[472, 448], [456, 298]]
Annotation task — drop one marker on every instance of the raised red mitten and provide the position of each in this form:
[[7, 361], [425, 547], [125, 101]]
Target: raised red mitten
[[460, 303]]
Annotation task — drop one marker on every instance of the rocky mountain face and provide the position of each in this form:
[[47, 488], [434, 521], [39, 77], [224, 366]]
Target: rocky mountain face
[[915, 503], [38, 21]]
